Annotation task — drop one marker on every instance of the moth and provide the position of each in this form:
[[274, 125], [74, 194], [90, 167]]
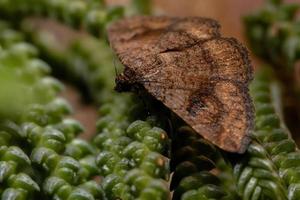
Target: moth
[[187, 65]]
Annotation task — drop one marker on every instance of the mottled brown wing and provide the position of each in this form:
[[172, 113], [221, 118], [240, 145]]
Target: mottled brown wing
[[221, 111], [138, 40], [207, 86], [200, 76]]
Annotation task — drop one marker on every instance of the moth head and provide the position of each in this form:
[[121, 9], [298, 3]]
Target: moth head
[[122, 83], [127, 81]]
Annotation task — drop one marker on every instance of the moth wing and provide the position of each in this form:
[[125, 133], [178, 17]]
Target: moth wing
[[184, 63], [222, 112], [206, 85], [138, 40], [134, 39], [230, 58], [213, 59]]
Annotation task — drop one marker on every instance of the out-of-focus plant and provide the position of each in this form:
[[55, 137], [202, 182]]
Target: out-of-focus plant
[[274, 33], [17, 93], [140, 7], [133, 158], [18, 83], [38, 154], [270, 169], [93, 15]]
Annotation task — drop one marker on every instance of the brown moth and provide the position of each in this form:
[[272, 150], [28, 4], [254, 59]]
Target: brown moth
[[187, 65]]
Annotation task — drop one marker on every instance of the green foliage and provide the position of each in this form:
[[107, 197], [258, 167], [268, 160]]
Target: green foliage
[[127, 148], [91, 15], [132, 154], [46, 138], [138, 147], [84, 61], [24, 82], [192, 162], [270, 168], [274, 33], [13, 163], [142, 7]]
